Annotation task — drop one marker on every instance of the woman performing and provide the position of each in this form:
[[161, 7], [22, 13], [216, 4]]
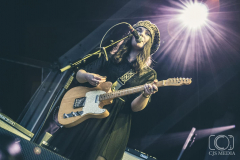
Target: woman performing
[[106, 139]]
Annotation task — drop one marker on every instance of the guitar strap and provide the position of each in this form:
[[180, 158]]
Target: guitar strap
[[122, 80]]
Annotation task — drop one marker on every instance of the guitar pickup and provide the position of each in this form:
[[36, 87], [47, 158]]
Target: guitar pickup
[[72, 114], [96, 99], [79, 102]]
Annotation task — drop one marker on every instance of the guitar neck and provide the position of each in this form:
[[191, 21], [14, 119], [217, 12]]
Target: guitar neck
[[124, 92]]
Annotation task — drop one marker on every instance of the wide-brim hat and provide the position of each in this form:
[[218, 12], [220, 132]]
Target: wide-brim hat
[[155, 34]]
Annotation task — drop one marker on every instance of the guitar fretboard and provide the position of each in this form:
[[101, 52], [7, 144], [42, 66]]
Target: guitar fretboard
[[124, 92]]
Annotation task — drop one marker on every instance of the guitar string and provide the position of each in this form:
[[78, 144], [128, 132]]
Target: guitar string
[[137, 89], [124, 92]]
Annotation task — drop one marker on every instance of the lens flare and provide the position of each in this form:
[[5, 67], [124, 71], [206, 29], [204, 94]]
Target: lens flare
[[194, 15], [14, 148]]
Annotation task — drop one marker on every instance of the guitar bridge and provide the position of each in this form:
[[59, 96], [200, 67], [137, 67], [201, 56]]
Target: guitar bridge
[[79, 102], [72, 114]]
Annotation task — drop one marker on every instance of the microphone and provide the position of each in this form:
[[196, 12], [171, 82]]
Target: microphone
[[135, 34]]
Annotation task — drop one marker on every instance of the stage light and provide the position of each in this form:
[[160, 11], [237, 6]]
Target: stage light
[[14, 148], [194, 15]]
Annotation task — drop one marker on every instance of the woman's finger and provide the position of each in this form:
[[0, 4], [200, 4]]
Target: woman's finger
[[101, 81], [155, 88], [98, 77], [151, 86], [95, 79], [93, 83], [98, 81], [147, 89]]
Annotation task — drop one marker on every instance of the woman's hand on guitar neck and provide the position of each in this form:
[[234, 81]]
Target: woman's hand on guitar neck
[[141, 101], [94, 79], [150, 88]]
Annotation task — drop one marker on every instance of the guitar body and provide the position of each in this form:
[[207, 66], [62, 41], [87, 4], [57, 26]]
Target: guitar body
[[81, 103]]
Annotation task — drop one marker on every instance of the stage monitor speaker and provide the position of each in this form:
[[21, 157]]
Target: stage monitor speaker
[[8, 124], [129, 156], [132, 154], [17, 148]]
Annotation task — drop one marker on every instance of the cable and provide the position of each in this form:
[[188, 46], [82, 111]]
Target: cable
[[110, 29]]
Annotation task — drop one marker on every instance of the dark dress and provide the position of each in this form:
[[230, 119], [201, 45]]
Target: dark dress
[[106, 137]]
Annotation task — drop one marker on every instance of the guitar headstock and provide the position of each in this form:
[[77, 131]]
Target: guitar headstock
[[178, 81]]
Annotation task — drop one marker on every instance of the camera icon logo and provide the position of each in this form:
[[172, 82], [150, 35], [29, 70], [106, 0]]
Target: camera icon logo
[[221, 142]]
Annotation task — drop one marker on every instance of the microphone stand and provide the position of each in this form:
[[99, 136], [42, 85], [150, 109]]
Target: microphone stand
[[70, 79], [95, 53], [191, 134]]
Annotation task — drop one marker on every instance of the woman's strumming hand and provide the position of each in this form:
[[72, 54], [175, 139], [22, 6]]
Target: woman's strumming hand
[[95, 79]]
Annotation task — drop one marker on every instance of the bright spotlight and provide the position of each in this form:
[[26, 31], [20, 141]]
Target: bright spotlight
[[194, 15]]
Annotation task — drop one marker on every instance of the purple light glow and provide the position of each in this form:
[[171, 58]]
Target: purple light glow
[[14, 148], [188, 48], [206, 132]]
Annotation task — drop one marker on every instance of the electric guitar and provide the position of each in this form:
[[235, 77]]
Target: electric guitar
[[81, 103]]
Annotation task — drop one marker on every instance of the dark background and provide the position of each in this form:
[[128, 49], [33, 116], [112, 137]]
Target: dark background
[[44, 30]]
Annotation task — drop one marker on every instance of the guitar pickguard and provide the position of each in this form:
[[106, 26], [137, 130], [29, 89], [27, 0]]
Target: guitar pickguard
[[92, 102]]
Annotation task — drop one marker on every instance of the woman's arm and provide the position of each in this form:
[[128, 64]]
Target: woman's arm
[[94, 79], [141, 101]]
